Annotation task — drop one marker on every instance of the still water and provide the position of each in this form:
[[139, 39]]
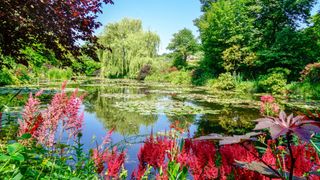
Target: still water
[[135, 109]]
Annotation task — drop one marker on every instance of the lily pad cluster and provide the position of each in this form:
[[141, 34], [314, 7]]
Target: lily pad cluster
[[236, 102], [123, 96], [166, 106]]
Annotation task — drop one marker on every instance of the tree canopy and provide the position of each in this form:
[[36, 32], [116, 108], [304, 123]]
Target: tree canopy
[[255, 36], [132, 48], [58, 25], [182, 44]]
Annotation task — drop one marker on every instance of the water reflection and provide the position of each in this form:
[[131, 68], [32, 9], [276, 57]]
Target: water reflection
[[135, 109]]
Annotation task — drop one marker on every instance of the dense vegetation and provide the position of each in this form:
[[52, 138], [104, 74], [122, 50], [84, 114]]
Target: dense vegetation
[[244, 47], [255, 46]]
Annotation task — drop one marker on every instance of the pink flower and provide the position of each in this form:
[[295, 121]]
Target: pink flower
[[30, 117], [267, 99], [98, 160]]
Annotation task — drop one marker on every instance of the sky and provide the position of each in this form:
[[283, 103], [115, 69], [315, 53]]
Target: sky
[[165, 17]]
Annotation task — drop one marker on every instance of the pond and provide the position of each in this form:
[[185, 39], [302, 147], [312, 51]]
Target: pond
[[135, 109]]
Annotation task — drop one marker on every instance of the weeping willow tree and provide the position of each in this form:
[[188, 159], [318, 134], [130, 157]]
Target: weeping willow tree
[[131, 48]]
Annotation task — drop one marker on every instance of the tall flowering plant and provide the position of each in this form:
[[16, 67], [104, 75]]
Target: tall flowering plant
[[286, 127], [62, 117], [43, 124], [268, 105], [109, 162]]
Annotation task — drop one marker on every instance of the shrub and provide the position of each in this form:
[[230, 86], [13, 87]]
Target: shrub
[[225, 81], [201, 76], [171, 75], [6, 77], [60, 74], [180, 77], [274, 82], [305, 90], [246, 87]]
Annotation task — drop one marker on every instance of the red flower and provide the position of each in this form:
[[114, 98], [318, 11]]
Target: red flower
[[199, 157], [269, 158], [138, 173], [98, 160], [114, 162], [230, 153]]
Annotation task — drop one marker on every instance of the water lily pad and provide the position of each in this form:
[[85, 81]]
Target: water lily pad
[[123, 96]]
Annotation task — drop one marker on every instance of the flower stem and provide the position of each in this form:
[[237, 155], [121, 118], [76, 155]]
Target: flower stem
[[289, 137], [315, 146]]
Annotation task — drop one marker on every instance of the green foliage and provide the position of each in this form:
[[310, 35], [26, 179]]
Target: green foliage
[[236, 56], [226, 25], [274, 82], [85, 65], [181, 77], [225, 81], [182, 44], [130, 48], [6, 77], [251, 37], [201, 75], [304, 90], [246, 87], [59, 74], [37, 56], [174, 171]]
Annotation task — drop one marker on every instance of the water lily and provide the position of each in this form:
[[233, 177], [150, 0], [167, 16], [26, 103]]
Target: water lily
[[284, 124]]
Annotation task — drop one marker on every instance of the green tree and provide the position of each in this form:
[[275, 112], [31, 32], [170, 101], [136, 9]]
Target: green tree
[[283, 43], [131, 48], [266, 32], [226, 24], [182, 44]]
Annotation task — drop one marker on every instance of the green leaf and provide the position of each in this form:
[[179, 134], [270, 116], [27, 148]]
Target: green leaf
[[4, 157], [18, 176], [18, 157], [14, 148], [75, 178], [26, 136]]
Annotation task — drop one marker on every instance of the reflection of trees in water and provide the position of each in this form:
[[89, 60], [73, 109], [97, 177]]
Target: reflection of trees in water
[[126, 123], [230, 121], [182, 121]]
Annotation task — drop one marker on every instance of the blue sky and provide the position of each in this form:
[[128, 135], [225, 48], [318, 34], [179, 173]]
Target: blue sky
[[164, 17]]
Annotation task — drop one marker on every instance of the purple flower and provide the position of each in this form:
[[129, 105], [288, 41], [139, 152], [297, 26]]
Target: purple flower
[[284, 124]]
